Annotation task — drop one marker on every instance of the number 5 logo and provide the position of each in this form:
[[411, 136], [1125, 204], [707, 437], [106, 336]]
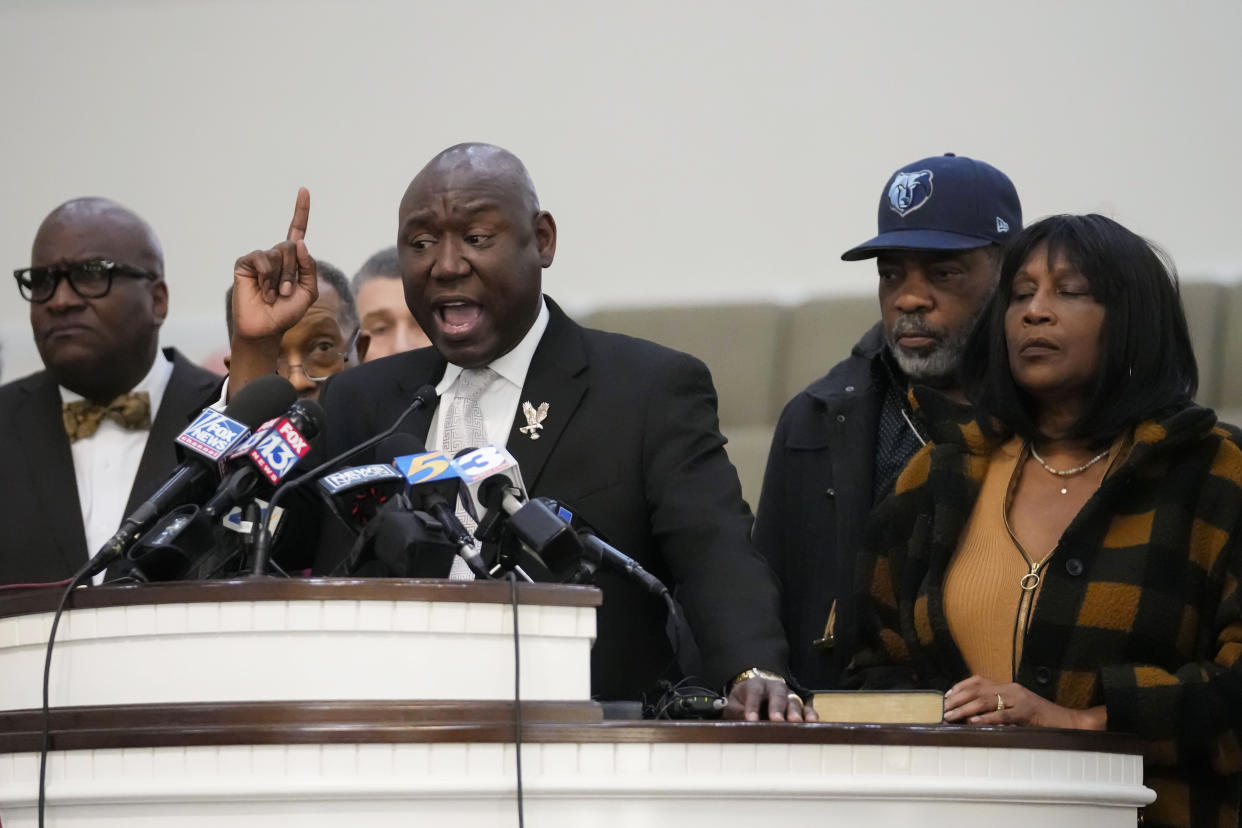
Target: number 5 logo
[[427, 466]]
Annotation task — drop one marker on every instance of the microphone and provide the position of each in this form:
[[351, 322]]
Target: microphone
[[436, 485], [270, 453], [401, 543], [263, 539], [612, 557], [475, 466], [495, 484], [204, 442]]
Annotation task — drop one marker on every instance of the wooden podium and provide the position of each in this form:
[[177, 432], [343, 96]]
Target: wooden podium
[[385, 703]]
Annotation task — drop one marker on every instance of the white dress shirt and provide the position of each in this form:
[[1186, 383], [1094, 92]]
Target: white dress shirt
[[499, 403], [106, 463]]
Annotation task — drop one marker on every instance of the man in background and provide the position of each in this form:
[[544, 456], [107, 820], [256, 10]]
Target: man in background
[[92, 435], [387, 326], [840, 444], [321, 344]]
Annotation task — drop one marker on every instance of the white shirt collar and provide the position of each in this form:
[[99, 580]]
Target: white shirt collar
[[154, 383], [512, 366]]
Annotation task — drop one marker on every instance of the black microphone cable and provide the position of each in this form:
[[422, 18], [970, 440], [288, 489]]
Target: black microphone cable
[[263, 538], [45, 745], [517, 698]]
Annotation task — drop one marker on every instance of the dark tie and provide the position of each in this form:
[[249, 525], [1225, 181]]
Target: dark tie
[[82, 417]]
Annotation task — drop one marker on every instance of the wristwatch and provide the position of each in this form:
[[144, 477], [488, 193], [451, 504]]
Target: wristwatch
[[755, 672]]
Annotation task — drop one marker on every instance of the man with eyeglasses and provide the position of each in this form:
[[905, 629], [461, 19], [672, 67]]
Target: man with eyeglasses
[[323, 342], [90, 437]]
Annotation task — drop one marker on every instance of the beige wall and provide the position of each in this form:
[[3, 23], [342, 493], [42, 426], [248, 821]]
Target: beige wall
[[688, 149]]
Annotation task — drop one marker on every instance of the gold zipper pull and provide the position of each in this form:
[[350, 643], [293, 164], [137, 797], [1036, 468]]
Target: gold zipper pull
[[1030, 580], [830, 639]]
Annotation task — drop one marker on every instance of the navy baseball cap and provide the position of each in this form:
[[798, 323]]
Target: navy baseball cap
[[946, 202]]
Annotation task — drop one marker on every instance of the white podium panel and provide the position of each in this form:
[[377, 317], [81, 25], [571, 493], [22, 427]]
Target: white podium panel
[[413, 645], [578, 784]]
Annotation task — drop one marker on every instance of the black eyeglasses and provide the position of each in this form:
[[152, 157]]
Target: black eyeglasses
[[319, 364], [90, 279]]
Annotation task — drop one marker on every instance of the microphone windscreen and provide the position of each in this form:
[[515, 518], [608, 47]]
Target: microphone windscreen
[[427, 395], [312, 417], [266, 397], [398, 445]]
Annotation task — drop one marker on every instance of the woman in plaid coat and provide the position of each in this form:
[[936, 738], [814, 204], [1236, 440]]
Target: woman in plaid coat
[[1071, 559]]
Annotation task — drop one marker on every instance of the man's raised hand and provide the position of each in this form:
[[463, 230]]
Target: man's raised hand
[[272, 289]]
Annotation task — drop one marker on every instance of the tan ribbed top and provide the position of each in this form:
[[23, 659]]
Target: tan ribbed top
[[981, 587]]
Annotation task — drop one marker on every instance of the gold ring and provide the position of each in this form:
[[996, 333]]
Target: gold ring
[[1000, 703], [793, 695]]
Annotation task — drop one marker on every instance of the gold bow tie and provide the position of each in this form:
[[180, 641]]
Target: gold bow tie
[[82, 417]]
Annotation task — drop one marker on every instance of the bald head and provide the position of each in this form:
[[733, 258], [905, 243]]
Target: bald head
[[479, 162], [472, 244], [101, 229]]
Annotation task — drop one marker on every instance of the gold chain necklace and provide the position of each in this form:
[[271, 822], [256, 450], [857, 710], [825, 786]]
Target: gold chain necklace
[[1069, 472], [1077, 469]]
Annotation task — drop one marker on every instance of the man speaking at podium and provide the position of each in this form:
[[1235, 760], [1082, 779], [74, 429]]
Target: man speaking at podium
[[92, 435], [628, 434]]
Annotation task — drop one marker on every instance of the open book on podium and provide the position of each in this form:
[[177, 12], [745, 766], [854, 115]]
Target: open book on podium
[[879, 706]]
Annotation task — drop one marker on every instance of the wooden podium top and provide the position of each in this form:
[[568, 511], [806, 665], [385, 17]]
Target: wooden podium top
[[357, 722], [45, 599]]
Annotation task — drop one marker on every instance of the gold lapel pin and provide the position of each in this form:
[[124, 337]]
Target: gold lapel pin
[[534, 419]]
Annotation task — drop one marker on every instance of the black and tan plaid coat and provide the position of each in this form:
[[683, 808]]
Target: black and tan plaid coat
[[1139, 608]]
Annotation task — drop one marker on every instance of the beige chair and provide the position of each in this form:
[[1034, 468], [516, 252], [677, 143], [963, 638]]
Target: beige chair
[[743, 347], [821, 334], [1229, 401], [1204, 303]]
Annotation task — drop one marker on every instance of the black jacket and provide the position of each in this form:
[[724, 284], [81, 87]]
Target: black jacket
[[631, 440], [44, 539], [817, 492]]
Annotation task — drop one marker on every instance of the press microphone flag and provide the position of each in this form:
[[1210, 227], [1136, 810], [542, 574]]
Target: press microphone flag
[[284, 444], [489, 472], [270, 453], [358, 493], [213, 436], [432, 473]]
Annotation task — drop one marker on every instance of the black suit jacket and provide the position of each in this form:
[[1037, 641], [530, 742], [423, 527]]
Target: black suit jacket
[[817, 494], [631, 442], [43, 538]]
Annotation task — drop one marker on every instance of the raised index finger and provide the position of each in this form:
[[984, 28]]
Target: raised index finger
[[301, 215]]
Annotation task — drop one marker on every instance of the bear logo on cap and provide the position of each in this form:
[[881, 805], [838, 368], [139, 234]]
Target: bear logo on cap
[[909, 191]]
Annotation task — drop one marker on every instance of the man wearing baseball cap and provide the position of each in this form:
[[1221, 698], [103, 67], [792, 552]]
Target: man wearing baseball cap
[[841, 443]]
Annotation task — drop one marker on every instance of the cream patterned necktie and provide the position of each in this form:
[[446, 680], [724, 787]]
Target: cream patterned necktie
[[463, 421], [464, 428]]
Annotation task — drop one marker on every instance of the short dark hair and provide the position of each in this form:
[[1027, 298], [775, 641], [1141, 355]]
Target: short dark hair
[[1147, 365], [348, 315], [385, 264]]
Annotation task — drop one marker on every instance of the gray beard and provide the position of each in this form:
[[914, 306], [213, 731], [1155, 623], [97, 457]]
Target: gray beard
[[935, 366]]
